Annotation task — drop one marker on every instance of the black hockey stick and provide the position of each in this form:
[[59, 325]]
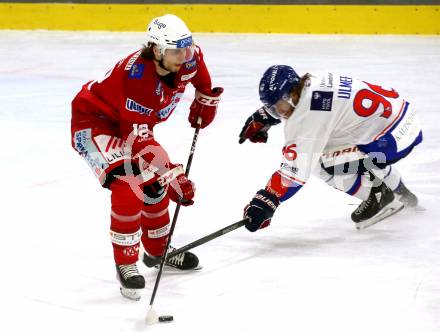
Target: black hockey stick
[[204, 239], [151, 315]]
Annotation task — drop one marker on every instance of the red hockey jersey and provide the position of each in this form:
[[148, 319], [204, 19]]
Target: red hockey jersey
[[132, 93]]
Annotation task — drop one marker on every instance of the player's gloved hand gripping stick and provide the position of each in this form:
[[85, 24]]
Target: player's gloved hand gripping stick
[[204, 106], [256, 126], [260, 210]]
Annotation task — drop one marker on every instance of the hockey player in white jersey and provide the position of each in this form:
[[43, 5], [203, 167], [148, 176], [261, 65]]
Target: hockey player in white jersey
[[348, 132]]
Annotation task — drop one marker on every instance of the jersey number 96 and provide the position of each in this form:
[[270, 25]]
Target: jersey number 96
[[377, 97]]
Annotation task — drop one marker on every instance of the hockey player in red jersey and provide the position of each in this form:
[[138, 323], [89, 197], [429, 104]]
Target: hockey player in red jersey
[[112, 129], [348, 132]]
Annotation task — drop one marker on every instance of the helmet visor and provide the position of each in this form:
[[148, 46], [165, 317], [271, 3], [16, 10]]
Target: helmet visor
[[183, 54], [272, 110], [282, 109]]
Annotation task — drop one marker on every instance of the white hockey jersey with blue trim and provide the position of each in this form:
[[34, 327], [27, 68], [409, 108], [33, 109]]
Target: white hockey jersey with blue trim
[[335, 111]]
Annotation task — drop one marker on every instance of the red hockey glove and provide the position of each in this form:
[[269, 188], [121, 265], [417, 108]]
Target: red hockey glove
[[260, 210], [181, 189], [205, 107], [256, 126]]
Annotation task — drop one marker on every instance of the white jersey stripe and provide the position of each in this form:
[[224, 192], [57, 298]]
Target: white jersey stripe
[[123, 218], [291, 178], [154, 214], [399, 115]]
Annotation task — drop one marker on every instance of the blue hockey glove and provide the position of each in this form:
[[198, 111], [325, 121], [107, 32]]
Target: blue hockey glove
[[260, 210]]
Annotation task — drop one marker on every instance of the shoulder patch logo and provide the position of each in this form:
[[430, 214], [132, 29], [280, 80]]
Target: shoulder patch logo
[[136, 71], [191, 64]]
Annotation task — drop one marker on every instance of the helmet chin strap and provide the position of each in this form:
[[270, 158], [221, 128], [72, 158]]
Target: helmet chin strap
[[160, 62], [291, 103]]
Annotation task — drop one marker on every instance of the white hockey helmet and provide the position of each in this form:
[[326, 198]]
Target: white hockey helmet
[[170, 32]]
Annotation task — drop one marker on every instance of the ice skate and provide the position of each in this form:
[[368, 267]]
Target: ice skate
[[131, 281], [380, 204], [184, 261], [405, 196]]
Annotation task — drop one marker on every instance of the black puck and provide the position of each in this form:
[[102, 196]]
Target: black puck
[[164, 319]]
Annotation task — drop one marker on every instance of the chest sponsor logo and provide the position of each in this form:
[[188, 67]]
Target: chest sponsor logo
[[136, 71], [166, 111], [133, 106], [321, 101]]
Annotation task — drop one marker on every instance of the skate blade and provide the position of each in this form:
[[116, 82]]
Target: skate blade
[[148, 264], [131, 293], [392, 208]]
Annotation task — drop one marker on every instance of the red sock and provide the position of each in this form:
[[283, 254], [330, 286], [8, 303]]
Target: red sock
[[125, 223]]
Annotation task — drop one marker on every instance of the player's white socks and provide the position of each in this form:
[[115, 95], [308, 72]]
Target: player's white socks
[[359, 185], [353, 184], [390, 175]]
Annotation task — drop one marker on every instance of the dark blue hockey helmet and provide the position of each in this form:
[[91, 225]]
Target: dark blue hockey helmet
[[276, 82]]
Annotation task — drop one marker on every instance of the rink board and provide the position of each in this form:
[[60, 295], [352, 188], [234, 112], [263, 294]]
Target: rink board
[[302, 19]]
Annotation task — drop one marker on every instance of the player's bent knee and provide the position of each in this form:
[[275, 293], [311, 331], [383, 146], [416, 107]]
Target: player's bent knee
[[154, 193]]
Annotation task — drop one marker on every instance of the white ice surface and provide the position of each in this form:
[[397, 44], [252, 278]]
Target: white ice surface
[[309, 271]]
